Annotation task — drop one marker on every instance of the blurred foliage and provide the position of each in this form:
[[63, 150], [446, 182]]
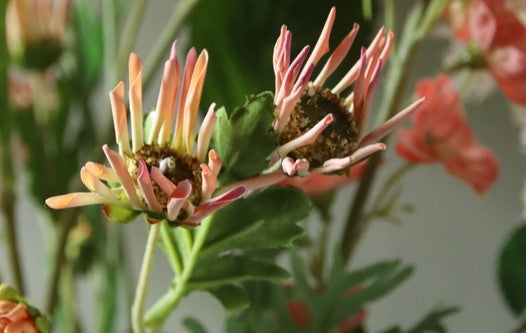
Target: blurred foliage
[[512, 270], [238, 66]]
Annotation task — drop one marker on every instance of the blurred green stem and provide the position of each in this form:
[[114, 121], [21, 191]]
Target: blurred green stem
[[419, 21], [176, 21], [137, 312], [167, 304], [7, 185]]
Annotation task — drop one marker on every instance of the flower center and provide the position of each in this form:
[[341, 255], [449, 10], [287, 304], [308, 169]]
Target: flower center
[[338, 140], [175, 166]]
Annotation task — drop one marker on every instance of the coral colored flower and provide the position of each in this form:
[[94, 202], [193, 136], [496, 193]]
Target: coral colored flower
[[15, 317], [320, 129], [440, 133], [316, 183], [161, 172], [496, 29], [36, 30]]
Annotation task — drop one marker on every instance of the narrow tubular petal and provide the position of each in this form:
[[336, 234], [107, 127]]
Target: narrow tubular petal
[[288, 102], [124, 176], [291, 74], [359, 93], [387, 127], [352, 74], [214, 204], [337, 56], [135, 99], [257, 182], [119, 118], [192, 101], [164, 100], [178, 199], [166, 129], [322, 45], [74, 200], [387, 47], [160, 179], [95, 185], [281, 56], [145, 183], [209, 181], [307, 138], [102, 172], [336, 164], [214, 162], [177, 140], [205, 133]]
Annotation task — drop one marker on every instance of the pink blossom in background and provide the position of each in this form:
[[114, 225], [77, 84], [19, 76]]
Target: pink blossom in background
[[440, 133], [495, 27]]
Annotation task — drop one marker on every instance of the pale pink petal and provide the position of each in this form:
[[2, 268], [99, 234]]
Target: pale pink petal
[[95, 185], [387, 127], [214, 204], [191, 57], [178, 198], [205, 133], [74, 200], [145, 183], [193, 98], [209, 181], [164, 183], [306, 138], [120, 121], [281, 56], [164, 101], [166, 129], [102, 172], [299, 167], [322, 45], [135, 99], [124, 176], [257, 182], [214, 162], [290, 76], [359, 92], [336, 164], [337, 56]]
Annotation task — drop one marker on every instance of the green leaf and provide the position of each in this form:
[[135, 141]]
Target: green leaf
[[234, 269], [232, 297], [431, 323], [264, 220], [512, 270], [119, 214], [193, 325], [244, 138]]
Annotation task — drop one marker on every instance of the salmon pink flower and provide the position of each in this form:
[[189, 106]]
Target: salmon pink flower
[[17, 316], [36, 30], [161, 172], [495, 30], [440, 133], [320, 129]]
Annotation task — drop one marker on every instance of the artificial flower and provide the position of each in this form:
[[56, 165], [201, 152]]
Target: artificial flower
[[320, 129], [161, 172], [440, 133], [498, 37]]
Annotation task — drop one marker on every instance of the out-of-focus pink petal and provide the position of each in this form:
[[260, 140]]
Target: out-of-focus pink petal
[[75, 199], [508, 65], [214, 204]]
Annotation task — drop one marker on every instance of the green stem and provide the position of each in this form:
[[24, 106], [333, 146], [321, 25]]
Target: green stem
[[137, 312], [417, 25], [167, 304], [128, 37], [175, 23]]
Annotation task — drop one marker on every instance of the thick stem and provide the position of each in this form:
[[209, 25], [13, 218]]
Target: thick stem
[[137, 312], [156, 315]]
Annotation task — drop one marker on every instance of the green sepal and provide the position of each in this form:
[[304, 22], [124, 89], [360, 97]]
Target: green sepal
[[512, 270], [119, 214], [244, 138]]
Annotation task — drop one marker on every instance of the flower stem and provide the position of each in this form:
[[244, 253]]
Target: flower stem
[[164, 306], [144, 279], [417, 25]]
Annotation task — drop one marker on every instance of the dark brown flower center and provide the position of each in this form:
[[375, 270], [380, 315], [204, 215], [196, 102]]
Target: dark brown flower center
[[338, 140], [175, 166]]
